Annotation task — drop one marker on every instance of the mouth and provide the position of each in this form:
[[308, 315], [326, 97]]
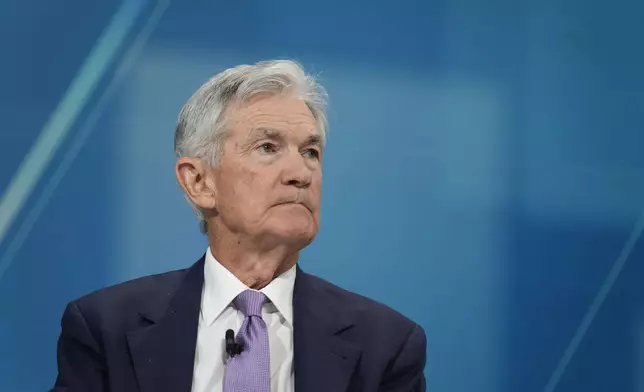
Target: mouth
[[294, 203]]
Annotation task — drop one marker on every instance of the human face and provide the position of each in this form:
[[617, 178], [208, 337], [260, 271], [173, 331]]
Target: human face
[[268, 180]]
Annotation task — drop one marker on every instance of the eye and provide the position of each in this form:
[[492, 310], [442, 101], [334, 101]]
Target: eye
[[267, 148], [312, 153]]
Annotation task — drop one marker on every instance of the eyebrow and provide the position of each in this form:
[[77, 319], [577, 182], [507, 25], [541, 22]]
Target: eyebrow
[[313, 140], [264, 133], [276, 134], [259, 134]]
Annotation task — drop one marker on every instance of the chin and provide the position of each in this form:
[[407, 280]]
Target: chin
[[300, 236], [297, 230], [296, 235]]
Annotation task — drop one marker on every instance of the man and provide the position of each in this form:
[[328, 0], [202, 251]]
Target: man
[[244, 317]]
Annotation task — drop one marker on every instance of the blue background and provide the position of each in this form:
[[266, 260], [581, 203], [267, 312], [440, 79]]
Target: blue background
[[484, 173]]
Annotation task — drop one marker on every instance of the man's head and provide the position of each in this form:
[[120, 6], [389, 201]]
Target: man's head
[[249, 145]]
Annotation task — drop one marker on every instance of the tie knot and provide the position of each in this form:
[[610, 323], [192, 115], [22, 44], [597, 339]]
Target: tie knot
[[250, 302]]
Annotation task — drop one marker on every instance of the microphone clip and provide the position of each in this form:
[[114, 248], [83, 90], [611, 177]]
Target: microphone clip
[[232, 348]]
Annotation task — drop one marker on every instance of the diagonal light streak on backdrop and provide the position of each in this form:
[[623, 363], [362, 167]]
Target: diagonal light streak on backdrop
[[599, 299], [85, 131], [63, 117]]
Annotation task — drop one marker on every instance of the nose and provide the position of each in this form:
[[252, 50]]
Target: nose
[[297, 173]]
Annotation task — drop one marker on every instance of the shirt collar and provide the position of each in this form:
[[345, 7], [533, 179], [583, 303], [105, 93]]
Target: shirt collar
[[221, 287]]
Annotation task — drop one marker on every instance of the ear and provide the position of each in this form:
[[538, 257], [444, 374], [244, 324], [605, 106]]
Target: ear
[[197, 182]]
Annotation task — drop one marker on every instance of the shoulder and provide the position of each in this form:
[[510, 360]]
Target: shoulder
[[361, 309], [393, 345], [120, 303], [134, 291]]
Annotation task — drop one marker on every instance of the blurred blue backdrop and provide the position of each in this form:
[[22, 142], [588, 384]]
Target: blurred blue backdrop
[[484, 174]]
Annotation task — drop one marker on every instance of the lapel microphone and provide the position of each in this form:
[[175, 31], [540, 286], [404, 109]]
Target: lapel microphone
[[232, 348]]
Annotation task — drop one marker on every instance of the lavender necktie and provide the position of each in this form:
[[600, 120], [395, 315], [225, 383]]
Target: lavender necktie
[[250, 370]]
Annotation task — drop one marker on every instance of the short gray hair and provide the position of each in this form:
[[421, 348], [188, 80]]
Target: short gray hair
[[201, 128]]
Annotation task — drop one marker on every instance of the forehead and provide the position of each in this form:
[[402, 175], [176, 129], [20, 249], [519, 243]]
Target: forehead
[[280, 112]]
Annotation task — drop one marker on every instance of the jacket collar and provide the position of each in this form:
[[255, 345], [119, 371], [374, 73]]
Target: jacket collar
[[323, 360], [163, 352]]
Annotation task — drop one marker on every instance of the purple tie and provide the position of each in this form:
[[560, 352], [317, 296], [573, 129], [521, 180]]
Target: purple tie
[[250, 370]]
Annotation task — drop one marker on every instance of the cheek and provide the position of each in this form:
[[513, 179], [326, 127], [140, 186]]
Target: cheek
[[234, 189], [316, 188], [251, 191]]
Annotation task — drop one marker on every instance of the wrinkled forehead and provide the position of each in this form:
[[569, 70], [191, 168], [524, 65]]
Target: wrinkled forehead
[[273, 116]]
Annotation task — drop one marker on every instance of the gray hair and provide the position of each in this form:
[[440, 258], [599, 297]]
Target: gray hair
[[201, 128]]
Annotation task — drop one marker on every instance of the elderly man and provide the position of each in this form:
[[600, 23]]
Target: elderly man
[[244, 317]]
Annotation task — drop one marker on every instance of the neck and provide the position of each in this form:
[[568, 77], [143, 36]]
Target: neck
[[254, 266]]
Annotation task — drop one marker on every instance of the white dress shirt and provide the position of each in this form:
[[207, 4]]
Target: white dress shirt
[[218, 314]]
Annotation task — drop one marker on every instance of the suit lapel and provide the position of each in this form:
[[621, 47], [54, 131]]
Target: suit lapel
[[163, 353], [323, 360]]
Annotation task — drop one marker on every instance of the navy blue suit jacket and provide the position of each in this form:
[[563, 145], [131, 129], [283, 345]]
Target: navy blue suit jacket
[[140, 336]]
